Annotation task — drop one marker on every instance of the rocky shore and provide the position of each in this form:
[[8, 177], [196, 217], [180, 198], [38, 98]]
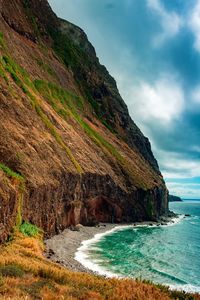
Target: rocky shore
[[62, 247]]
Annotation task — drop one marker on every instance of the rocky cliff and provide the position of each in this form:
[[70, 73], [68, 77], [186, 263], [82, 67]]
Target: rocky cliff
[[69, 151]]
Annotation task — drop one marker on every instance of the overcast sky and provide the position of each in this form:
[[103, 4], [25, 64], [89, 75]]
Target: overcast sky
[[152, 49]]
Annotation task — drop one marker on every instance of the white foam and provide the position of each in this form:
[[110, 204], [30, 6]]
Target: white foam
[[83, 257], [82, 253], [188, 288], [175, 221]]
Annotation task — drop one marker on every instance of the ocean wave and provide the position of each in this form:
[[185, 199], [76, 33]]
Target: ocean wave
[[83, 256], [188, 288], [175, 220]]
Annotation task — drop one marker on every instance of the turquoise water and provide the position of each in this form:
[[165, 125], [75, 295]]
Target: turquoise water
[[165, 254]]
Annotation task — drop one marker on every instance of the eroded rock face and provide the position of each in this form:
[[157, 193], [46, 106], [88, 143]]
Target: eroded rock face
[[82, 164], [90, 199]]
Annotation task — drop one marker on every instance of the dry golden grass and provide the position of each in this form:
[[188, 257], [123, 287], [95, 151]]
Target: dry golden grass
[[28, 275]]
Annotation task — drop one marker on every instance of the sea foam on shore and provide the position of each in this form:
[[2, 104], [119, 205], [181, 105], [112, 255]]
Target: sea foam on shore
[[83, 256]]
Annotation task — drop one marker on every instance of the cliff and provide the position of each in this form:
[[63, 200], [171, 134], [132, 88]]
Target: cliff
[[69, 151]]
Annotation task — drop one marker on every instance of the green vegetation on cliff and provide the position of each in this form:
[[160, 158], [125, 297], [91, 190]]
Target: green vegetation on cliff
[[21, 78], [11, 173], [29, 229]]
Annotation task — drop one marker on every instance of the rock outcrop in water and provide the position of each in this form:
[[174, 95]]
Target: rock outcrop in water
[[69, 151]]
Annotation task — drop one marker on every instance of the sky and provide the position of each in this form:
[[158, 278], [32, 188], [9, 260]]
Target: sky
[[152, 49]]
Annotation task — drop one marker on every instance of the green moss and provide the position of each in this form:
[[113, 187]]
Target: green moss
[[65, 49], [11, 173], [67, 106], [29, 229]]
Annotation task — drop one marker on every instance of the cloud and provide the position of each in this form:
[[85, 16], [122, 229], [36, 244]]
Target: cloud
[[194, 24], [195, 95], [178, 165], [171, 23], [181, 174], [161, 102], [184, 190]]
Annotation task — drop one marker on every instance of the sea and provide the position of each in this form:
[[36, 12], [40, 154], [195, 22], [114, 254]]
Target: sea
[[168, 254]]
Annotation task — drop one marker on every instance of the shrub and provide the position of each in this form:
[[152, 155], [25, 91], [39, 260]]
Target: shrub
[[29, 229]]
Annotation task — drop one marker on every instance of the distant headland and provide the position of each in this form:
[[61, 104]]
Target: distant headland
[[173, 198]]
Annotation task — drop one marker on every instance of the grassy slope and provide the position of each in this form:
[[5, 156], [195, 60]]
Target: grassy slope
[[67, 106], [26, 274]]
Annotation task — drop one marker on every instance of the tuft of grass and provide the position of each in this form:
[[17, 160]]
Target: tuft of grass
[[18, 74], [11, 270], [29, 229], [55, 94]]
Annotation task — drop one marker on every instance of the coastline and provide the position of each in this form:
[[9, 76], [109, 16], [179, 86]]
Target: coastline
[[69, 247], [64, 247]]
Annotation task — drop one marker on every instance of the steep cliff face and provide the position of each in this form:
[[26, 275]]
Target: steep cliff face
[[65, 130]]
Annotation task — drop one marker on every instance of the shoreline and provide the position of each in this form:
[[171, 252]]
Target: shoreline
[[63, 248], [68, 247]]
